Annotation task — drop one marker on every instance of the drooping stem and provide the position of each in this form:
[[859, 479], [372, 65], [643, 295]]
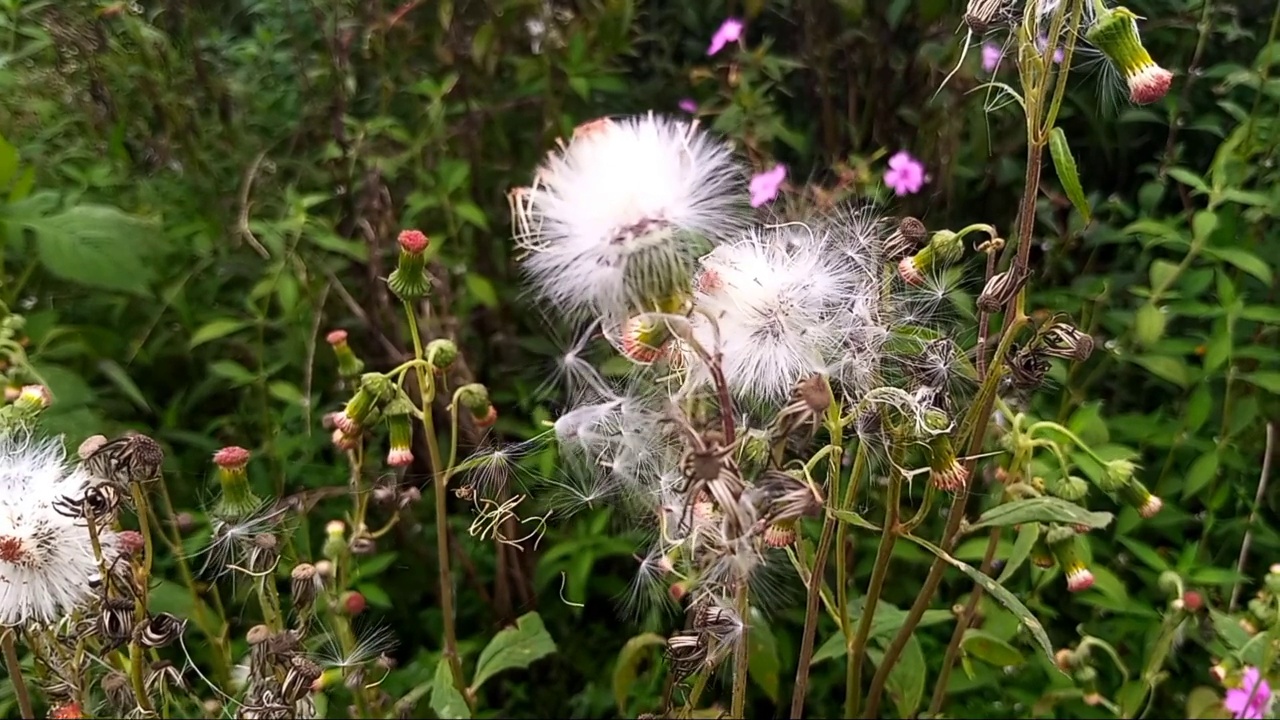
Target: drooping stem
[[741, 657], [15, 675], [858, 649], [426, 391]]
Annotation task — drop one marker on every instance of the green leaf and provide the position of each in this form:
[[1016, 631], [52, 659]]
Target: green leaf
[[514, 647], [1244, 260], [1199, 474], [762, 656], [8, 163], [853, 518], [1162, 274], [1203, 224], [626, 667], [906, 680], [215, 329], [1188, 178], [990, 649], [1149, 324], [375, 595], [1041, 509], [1269, 381], [446, 701], [1027, 536], [117, 375], [96, 246], [1065, 165], [996, 591], [482, 290], [1166, 368], [232, 371], [471, 215]]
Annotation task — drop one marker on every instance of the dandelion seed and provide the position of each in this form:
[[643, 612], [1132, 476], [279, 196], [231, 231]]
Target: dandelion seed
[[618, 216], [46, 558]]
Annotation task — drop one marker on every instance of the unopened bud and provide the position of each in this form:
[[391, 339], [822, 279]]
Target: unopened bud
[[236, 500], [33, 398], [945, 248], [353, 603], [335, 542], [441, 353], [1116, 475], [349, 366], [1067, 554], [409, 280], [374, 390], [1136, 495], [399, 415], [1115, 33], [1192, 601]]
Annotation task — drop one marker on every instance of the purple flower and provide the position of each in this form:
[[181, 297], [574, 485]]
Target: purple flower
[[1057, 54], [688, 105], [1250, 700], [905, 174], [764, 186], [730, 32], [991, 54]]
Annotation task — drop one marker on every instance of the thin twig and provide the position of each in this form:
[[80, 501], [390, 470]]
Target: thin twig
[[1263, 479]]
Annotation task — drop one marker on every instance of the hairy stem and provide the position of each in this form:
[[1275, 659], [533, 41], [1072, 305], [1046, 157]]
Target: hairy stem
[[426, 391], [15, 674]]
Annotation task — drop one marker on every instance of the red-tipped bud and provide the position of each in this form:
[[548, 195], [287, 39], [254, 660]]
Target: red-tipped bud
[[1192, 601], [231, 458], [414, 242], [353, 603]]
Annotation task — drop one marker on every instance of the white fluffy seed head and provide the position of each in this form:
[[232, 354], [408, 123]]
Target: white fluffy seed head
[[46, 558], [783, 302], [616, 219]]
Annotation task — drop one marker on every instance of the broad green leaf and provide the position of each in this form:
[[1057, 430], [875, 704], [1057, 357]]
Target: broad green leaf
[[1188, 178], [1199, 474], [96, 246], [906, 680], [997, 591], [1162, 274], [762, 656], [446, 701], [1041, 509], [625, 669], [375, 595], [1065, 165], [1027, 536], [990, 649], [482, 290], [232, 371], [1149, 324], [1145, 554], [471, 214], [514, 647], [1203, 224], [215, 329]]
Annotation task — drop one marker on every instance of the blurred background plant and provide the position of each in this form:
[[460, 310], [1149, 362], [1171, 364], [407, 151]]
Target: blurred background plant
[[192, 195]]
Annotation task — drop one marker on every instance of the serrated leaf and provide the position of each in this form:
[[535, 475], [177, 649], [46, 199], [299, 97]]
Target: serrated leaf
[[1041, 509], [215, 329], [990, 649], [514, 647], [446, 701], [1065, 165], [997, 591], [96, 246], [625, 668]]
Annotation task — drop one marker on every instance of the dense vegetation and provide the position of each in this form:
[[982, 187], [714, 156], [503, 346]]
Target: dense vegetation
[[195, 195]]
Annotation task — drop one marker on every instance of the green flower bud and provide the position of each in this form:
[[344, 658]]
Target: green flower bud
[[374, 390], [1115, 33], [945, 248], [1067, 554], [474, 397], [1116, 474], [409, 281], [237, 500], [1136, 495], [349, 366], [945, 470], [335, 541], [399, 414], [441, 353]]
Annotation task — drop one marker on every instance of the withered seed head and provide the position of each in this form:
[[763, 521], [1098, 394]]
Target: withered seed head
[[258, 634]]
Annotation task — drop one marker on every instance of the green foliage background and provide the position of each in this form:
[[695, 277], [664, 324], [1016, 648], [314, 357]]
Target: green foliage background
[[193, 193]]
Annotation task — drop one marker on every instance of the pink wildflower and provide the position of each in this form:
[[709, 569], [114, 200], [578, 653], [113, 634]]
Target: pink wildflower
[[1251, 699], [991, 54], [688, 105], [764, 186], [730, 32], [905, 174]]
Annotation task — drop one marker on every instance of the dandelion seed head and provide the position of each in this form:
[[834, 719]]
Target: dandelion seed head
[[46, 558]]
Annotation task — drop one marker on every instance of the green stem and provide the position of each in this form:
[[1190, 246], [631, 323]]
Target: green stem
[[858, 650], [143, 581], [741, 657], [426, 391], [962, 626], [15, 674]]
